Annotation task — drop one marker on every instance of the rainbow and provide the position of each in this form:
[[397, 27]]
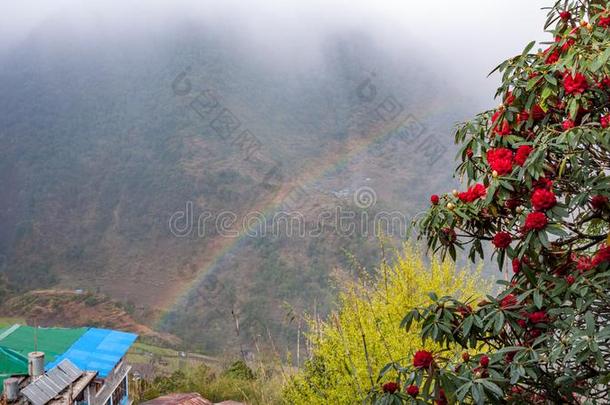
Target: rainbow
[[318, 169]]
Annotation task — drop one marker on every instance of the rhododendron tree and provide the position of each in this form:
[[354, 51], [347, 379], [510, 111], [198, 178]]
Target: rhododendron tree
[[537, 172]]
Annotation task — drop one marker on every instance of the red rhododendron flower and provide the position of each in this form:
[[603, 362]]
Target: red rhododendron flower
[[469, 153], [442, 398], [570, 279], [434, 199], [509, 98], [473, 193], [465, 310], [535, 221], [484, 361], [500, 160], [502, 128], [602, 256], [523, 116], [604, 82], [422, 359], [390, 387], [584, 264], [568, 124], [538, 317], [574, 84], [522, 154], [502, 240], [509, 301], [502, 166], [512, 203], [599, 202], [413, 390], [537, 112], [543, 199], [565, 15], [543, 182], [567, 45], [449, 236], [604, 22], [516, 265], [605, 121], [552, 57]]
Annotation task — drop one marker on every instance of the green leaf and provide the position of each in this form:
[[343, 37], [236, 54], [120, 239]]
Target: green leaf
[[499, 322], [467, 325], [537, 299], [573, 108], [528, 48], [497, 391], [590, 321]]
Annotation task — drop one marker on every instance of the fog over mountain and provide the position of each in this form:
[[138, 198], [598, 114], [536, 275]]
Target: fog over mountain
[[120, 119]]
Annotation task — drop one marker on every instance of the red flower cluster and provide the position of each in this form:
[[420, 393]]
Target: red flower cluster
[[584, 264], [502, 128], [553, 57], [502, 240], [422, 359], [570, 279], [473, 193], [537, 112], [604, 82], [568, 124], [543, 182], [605, 121], [442, 398], [599, 202], [575, 84], [512, 203], [523, 116], [390, 387], [484, 361], [500, 160], [516, 265], [413, 390], [465, 310], [535, 221], [565, 15], [566, 46], [538, 317], [602, 256], [522, 154], [604, 22], [509, 301], [543, 199], [434, 199]]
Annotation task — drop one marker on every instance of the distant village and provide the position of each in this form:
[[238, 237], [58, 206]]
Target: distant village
[[72, 366]]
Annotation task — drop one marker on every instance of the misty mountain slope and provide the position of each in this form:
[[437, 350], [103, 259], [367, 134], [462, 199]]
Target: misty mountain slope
[[100, 150]]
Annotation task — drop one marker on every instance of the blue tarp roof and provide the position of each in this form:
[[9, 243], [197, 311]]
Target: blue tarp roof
[[97, 350]]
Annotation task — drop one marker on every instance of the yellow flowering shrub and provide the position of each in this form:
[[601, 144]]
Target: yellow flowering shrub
[[354, 343]]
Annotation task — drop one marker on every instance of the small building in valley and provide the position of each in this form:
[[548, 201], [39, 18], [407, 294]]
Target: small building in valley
[[192, 398], [80, 366]]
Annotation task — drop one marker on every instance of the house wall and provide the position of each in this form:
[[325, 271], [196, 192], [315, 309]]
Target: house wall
[[113, 384]]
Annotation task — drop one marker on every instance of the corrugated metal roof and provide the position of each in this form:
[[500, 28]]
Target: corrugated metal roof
[[52, 383], [98, 350]]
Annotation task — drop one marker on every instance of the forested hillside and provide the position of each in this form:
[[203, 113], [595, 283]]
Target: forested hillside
[[101, 146]]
